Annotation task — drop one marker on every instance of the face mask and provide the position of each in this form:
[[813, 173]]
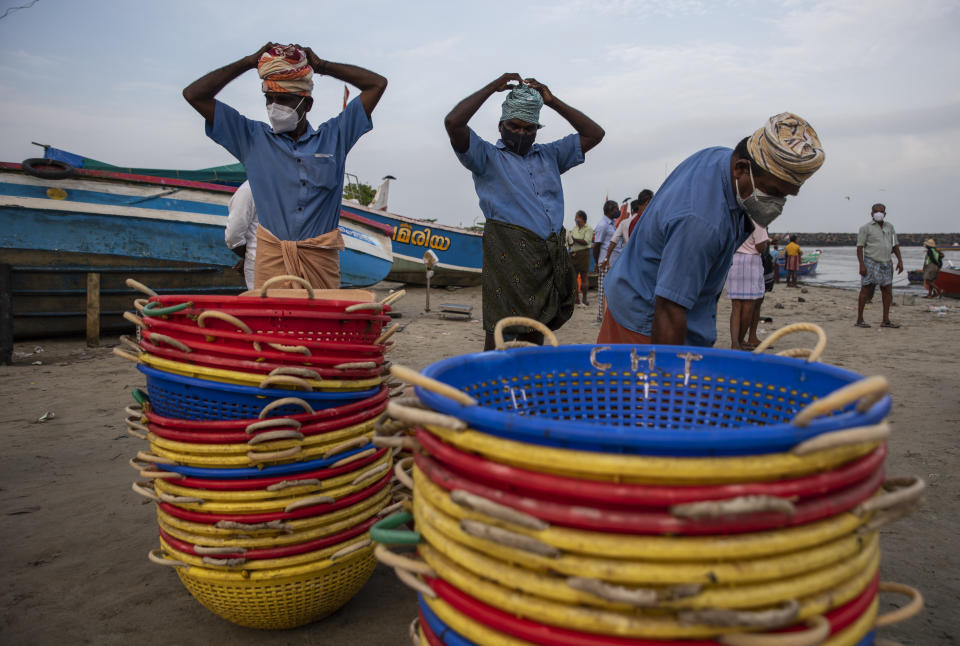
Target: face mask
[[517, 142], [762, 208], [878, 216], [282, 118]]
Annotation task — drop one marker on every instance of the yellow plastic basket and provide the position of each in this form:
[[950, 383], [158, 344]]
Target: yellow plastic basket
[[280, 598], [655, 548], [253, 379], [314, 486], [254, 456], [650, 469], [286, 533]]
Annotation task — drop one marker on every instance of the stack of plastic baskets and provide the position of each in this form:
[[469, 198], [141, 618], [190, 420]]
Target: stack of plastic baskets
[[617, 495], [259, 413]]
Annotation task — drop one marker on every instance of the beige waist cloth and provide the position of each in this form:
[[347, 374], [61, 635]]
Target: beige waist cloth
[[317, 259]]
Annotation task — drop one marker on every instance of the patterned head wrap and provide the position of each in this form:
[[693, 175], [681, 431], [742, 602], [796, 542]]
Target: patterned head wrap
[[285, 69], [787, 147], [523, 103]]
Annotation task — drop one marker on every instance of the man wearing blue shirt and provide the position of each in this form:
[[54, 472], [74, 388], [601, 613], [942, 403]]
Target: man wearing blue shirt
[[295, 170], [665, 290], [526, 267]]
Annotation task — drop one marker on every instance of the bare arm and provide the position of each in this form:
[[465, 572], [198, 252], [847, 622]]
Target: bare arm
[[896, 252], [863, 267], [590, 132], [669, 323], [456, 121], [200, 94], [371, 84]]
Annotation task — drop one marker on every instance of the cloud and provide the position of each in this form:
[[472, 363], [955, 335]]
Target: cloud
[[433, 49]]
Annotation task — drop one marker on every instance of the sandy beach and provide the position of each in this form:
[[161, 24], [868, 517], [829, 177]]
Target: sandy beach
[[75, 536]]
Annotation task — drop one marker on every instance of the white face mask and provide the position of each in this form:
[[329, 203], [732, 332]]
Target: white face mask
[[282, 118], [762, 208], [878, 216]]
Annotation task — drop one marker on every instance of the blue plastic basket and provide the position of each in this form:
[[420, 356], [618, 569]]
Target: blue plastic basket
[[446, 634], [653, 400], [261, 472], [199, 399]]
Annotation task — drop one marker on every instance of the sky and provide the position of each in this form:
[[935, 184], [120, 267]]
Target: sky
[[878, 79]]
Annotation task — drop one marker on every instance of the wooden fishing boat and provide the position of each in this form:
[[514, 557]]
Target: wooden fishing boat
[[164, 230], [915, 276], [808, 263], [948, 281]]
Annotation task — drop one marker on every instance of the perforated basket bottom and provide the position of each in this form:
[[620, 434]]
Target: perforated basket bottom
[[282, 604], [658, 399]]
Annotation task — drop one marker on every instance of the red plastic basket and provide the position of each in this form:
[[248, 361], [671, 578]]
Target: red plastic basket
[[611, 495], [657, 521]]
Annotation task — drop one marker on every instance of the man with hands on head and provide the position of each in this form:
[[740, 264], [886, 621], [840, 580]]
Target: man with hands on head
[[295, 171], [526, 268]]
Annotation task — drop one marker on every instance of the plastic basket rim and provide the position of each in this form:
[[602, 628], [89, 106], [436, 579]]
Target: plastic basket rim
[[231, 473], [604, 437]]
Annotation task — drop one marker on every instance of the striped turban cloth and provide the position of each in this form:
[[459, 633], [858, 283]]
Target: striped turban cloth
[[522, 103], [285, 69], [787, 147]]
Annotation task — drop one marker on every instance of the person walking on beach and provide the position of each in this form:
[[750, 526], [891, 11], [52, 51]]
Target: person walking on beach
[[295, 171], [932, 262], [240, 234], [745, 287], [580, 241], [526, 267], [876, 240], [666, 287], [602, 238], [793, 253]]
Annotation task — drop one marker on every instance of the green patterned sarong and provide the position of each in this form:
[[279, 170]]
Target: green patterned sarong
[[525, 275]]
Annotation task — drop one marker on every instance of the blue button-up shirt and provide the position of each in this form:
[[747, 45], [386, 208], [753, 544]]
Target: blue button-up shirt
[[525, 191], [603, 234], [681, 248], [297, 185]]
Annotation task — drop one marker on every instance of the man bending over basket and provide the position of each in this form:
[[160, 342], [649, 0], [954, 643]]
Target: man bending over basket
[[665, 287], [526, 268], [295, 170]]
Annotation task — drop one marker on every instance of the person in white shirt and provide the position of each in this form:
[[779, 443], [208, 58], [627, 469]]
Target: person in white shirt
[[241, 231]]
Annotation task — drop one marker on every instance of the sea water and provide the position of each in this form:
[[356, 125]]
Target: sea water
[[838, 267]]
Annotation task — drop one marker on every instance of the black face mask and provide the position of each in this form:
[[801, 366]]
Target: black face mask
[[517, 142]]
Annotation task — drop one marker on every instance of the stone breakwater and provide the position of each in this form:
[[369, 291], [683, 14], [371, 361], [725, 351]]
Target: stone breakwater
[[850, 239]]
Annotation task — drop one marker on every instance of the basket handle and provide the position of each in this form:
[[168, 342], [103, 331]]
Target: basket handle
[[511, 321], [286, 380], [355, 365], [277, 525], [218, 551], [286, 401], [508, 538], [287, 484], [790, 329], [413, 631], [156, 337], [130, 343], [868, 391], [414, 582], [267, 456], [296, 371], [145, 456], [818, 629], [136, 320], [140, 287], [413, 377], [394, 560], [900, 614], [353, 458], [386, 334], [135, 412], [223, 316], [496, 510], [733, 507], [412, 415], [292, 349], [136, 429], [395, 442], [309, 501], [637, 597], [269, 436], [370, 473], [154, 308], [390, 299], [350, 549], [179, 500], [900, 492], [364, 307], [156, 556], [400, 471], [139, 488], [363, 440], [273, 422], [859, 435], [139, 304], [123, 354], [287, 278], [153, 475], [385, 531]]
